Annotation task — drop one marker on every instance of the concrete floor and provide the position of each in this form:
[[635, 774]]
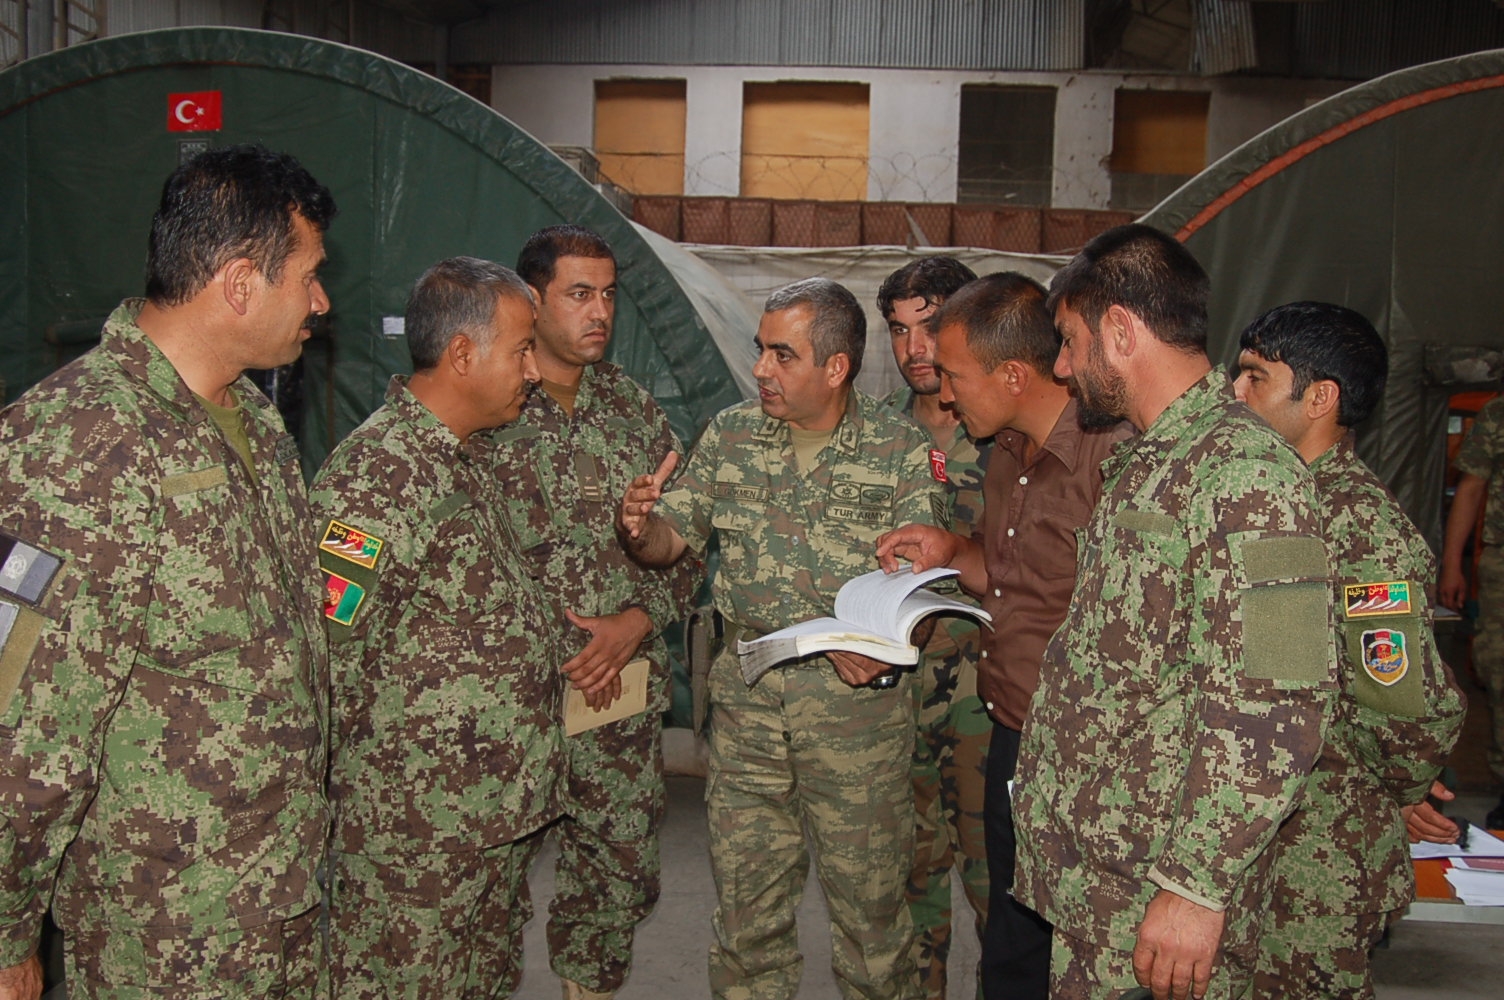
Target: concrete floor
[[1423, 961]]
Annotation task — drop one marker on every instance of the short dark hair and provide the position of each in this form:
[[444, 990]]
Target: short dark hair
[[933, 279], [1145, 271], [1320, 340], [1005, 319], [224, 204], [838, 325], [535, 262], [456, 296]]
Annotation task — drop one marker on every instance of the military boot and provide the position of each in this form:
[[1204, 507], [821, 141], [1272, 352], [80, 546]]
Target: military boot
[[574, 991]]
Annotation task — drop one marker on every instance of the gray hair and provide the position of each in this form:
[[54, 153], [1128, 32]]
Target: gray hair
[[455, 296], [837, 326]]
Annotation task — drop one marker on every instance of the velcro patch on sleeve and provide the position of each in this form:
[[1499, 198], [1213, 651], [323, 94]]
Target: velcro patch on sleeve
[[20, 630], [1285, 605], [1385, 659], [351, 544], [1285, 557]]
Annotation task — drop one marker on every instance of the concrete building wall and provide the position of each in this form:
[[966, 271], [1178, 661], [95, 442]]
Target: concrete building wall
[[915, 119]]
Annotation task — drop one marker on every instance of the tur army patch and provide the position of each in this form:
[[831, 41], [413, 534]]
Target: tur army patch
[[1362, 599], [25, 570], [351, 544], [864, 503], [1385, 658], [342, 598]]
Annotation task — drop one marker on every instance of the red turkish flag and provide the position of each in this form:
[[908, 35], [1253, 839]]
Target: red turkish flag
[[199, 111]]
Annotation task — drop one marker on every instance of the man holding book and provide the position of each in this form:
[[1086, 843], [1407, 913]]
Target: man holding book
[[797, 489], [995, 354]]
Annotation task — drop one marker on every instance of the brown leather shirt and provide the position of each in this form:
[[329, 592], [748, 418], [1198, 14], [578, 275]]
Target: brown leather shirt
[[1033, 507]]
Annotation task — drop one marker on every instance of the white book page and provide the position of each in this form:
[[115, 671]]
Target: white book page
[[874, 600]]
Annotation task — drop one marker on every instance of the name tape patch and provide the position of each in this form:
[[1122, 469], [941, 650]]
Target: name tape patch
[[739, 491], [351, 544]]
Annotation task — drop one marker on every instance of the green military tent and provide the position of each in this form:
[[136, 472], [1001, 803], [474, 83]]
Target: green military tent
[[420, 171], [1388, 198]]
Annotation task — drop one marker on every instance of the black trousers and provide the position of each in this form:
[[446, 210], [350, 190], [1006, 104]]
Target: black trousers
[[1016, 945]]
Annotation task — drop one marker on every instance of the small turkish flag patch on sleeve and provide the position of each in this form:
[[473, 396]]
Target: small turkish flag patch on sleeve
[[199, 111], [937, 465]]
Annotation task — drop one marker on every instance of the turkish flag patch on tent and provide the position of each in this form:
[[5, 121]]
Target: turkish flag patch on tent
[[199, 111]]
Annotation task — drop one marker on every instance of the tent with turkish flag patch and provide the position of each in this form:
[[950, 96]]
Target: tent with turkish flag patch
[[420, 171]]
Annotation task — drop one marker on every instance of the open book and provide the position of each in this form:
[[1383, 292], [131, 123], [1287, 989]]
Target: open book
[[875, 613]]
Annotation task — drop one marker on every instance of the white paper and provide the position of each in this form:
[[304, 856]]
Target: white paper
[[1480, 844], [1477, 888]]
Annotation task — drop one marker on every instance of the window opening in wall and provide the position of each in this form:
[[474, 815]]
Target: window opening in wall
[[1158, 143], [639, 134], [1007, 145], [805, 140]]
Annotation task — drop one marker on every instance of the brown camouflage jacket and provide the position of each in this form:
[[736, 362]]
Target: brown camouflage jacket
[[1183, 701], [163, 720], [446, 684], [1345, 850], [562, 477]]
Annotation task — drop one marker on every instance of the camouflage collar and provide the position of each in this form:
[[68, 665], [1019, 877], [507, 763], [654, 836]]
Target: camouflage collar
[[847, 434], [1343, 453], [144, 360], [1206, 398], [427, 428]]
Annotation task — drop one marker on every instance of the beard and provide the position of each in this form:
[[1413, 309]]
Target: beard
[[1101, 390]]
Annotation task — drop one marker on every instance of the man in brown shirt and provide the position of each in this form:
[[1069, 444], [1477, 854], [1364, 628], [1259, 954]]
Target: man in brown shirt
[[996, 353]]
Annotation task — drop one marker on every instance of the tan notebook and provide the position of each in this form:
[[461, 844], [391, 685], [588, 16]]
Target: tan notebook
[[579, 717]]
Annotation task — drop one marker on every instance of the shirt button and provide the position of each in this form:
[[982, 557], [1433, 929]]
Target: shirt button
[[997, 592], [989, 706], [1023, 480], [1010, 532], [984, 654]]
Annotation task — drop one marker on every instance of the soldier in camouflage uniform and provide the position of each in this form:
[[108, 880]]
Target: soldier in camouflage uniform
[[797, 490], [1481, 462], [164, 668], [563, 464], [1314, 371], [446, 737], [1184, 700], [950, 751]]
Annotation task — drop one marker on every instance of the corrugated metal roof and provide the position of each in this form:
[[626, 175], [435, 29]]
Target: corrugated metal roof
[[954, 34], [1224, 39]]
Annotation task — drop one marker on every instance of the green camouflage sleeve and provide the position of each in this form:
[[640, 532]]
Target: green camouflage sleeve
[[72, 494], [1263, 664]]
